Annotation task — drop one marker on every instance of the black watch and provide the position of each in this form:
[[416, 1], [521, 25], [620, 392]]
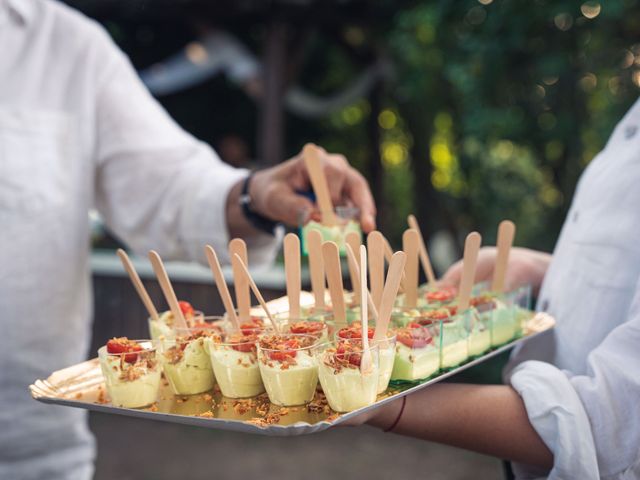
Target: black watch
[[258, 221]]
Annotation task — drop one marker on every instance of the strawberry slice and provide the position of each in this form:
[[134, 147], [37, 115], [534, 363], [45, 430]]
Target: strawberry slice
[[344, 352], [414, 336], [124, 345], [285, 351], [308, 327], [444, 294], [186, 308]]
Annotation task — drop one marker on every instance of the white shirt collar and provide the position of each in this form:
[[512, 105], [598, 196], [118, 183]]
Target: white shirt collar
[[24, 10]]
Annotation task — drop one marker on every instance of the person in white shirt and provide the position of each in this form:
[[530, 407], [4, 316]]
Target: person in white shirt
[[572, 406], [78, 130]]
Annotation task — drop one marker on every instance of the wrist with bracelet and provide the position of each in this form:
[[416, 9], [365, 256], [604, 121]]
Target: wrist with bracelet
[[257, 220]]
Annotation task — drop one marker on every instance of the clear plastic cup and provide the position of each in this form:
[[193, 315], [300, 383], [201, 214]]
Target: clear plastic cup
[[235, 364], [520, 302], [348, 221], [132, 378], [386, 351], [288, 367], [185, 359], [479, 327], [417, 351], [344, 383], [454, 340], [164, 326]]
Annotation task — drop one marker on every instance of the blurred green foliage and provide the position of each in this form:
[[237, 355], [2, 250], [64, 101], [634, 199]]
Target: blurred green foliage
[[506, 101], [495, 108]]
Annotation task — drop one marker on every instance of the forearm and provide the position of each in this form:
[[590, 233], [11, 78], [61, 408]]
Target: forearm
[[489, 419]]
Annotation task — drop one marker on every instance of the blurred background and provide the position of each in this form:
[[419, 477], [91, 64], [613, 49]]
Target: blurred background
[[463, 112]]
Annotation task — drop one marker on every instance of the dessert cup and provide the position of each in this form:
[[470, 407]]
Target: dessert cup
[[288, 367], [186, 361], [320, 325], [235, 364], [348, 221], [386, 351], [417, 353], [345, 385], [132, 376]]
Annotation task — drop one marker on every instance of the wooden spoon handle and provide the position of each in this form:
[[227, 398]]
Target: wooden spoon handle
[[351, 258], [389, 294], [238, 247], [316, 267], [245, 272], [375, 248], [410, 245], [470, 258], [221, 284], [424, 254], [137, 283], [167, 289], [292, 271], [331, 257], [311, 155], [506, 233], [352, 240]]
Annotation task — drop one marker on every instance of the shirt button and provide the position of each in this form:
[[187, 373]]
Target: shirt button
[[575, 217], [544, 306]]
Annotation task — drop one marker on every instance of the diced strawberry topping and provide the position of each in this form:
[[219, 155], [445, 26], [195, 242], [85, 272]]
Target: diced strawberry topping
[[124, 345], [186, 308], [285, 351], [443, 294], [414, 336], [345, 352], [244, 342], [355, 331], [309, 327]]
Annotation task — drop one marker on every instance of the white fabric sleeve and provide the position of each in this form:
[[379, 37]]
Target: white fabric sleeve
[[590, 422], [157, 186]]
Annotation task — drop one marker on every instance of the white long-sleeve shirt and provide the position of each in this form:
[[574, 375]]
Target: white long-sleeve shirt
[[581, 382], [78, 130]]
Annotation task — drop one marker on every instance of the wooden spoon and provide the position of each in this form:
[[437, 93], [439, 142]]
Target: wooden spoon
[[292, 271], [353, 240], [424, 254], [316, 267], [410, 245], [388, 254], [137, 283], [167, 290], [375, 248], [221, 283], [469, 260], [389, 294], [351, 258], [256, 292], [366, 362], [237, 246], [313, 162], [506, 233], [331, 257]]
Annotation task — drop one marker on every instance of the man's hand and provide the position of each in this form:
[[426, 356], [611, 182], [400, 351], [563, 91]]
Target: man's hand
[[273, 190], [525, 267]]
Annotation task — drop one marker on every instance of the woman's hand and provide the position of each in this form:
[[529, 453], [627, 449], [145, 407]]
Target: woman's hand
[[525, 266]]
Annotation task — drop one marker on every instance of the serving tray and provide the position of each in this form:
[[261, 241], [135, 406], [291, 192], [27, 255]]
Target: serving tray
[[82, 386]]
